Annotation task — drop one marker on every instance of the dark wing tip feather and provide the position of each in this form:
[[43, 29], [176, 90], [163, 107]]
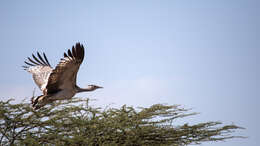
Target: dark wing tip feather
[[35, 63], [37, 60], [69, 53], [25, 67], [46, 59], [65, 55], [28, 63], [76, 52], [42, 60], [79, 50]]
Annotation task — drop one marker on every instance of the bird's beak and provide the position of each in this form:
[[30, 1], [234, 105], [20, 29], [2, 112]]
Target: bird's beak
[[96, 86], [99, 87]]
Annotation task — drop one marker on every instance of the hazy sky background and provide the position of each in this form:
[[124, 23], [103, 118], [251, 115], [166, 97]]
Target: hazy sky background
[[202, 54]]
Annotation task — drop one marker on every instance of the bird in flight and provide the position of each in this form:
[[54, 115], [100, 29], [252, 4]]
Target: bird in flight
[[57, 83]]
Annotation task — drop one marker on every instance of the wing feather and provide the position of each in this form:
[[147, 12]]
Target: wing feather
[[64, 75], [32, 61], [43, 61], [36, 59], [28, 63], [46, 59], [40, 70], [80, 52], [70, 54], [74, 52], [65, 55]]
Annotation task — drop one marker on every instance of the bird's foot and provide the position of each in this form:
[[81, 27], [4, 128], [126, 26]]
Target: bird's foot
[[38, 102]]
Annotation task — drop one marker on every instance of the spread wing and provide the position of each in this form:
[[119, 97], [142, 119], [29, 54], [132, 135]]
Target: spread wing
[[40, 68], [65, 73]]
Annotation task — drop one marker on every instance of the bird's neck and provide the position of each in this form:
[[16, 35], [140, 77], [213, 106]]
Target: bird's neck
[[83, 89]]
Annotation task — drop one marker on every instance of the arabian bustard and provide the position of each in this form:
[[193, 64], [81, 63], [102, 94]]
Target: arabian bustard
[[58, 83]]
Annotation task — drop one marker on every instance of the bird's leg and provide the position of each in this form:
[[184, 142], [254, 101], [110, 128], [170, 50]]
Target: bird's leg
[[32, 100], [35, 101], [40, 101]]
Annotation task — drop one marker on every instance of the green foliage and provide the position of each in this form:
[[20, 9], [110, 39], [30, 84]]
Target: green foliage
[[74, 122]]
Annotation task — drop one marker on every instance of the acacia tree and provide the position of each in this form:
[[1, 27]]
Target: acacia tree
[[75, 122]]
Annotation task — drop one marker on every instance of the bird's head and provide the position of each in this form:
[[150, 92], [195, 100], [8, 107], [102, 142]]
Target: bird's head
[[94, 87]]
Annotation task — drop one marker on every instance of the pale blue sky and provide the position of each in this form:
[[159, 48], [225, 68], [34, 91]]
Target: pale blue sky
[[203, 54]]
